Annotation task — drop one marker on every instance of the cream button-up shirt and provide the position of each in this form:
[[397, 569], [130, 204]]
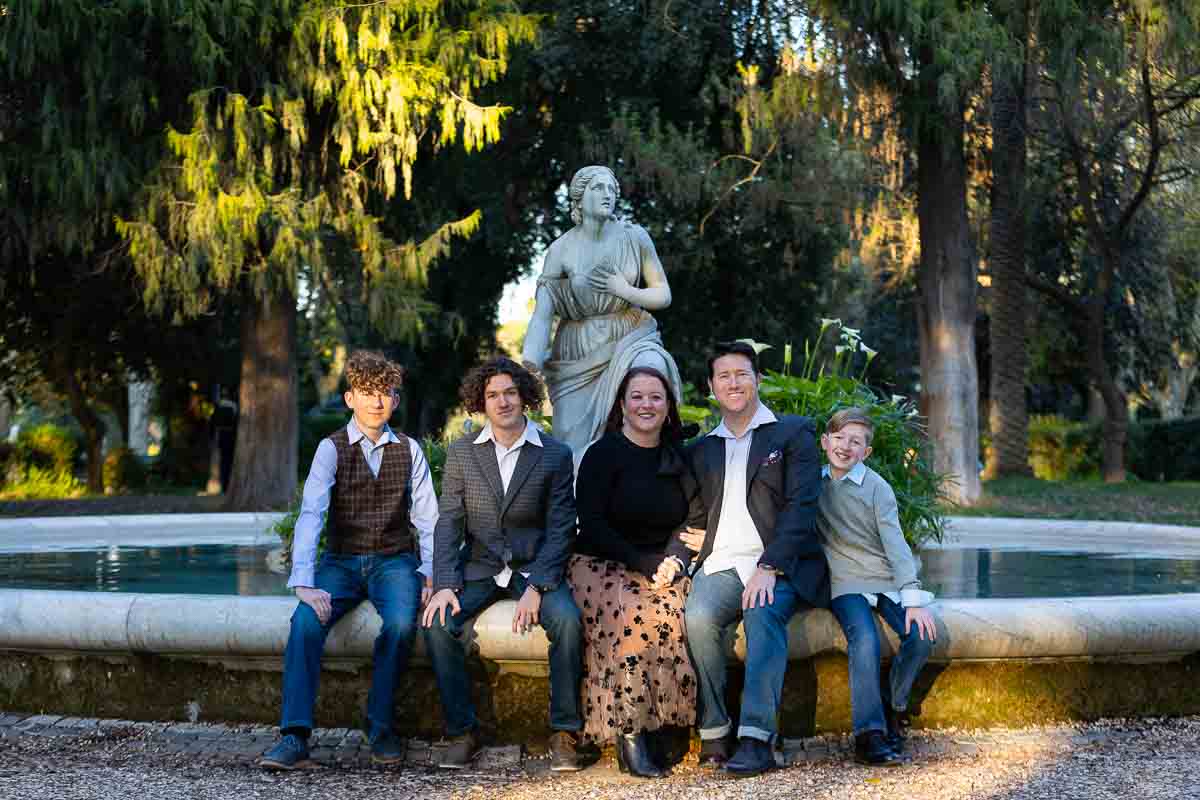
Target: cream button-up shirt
[[737, 544]]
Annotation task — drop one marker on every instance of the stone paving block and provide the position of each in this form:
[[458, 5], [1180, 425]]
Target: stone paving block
[[322, 755], [11, 718], [417, 752], [356, 735], [44, 719]]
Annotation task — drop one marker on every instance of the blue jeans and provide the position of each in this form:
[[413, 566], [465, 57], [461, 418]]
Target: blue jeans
[[713, 606], [853, 613], [558, 616], [393, 586]]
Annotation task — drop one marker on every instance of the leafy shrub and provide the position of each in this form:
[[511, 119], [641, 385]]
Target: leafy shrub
[[828, 383], [1060, 449], [1164, 450], [49, 447], [37, 483], [123, 471], [314, 428]]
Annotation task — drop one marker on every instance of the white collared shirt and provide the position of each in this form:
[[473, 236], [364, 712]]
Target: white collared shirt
[[737, 544], [506, 459], [422, 509], [856, 475]]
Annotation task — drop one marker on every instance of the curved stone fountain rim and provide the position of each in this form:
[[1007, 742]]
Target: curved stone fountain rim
[[233, 627]]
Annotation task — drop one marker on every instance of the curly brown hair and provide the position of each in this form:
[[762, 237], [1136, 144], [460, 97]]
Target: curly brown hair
[[371, 371], [672, 430], [529, 386]]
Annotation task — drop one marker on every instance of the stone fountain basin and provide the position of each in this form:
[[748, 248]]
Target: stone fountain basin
[[177, 656]]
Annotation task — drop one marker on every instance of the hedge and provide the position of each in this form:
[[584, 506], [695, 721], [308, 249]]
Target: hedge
[[1157, 450]]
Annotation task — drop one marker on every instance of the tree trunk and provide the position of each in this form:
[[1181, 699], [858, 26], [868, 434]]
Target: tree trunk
[[1116, 411], [947, 307], [265, 455], [81, 408], [1008, 413]]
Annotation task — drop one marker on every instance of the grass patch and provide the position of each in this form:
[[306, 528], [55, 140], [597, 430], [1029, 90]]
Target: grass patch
[[1176, 503]]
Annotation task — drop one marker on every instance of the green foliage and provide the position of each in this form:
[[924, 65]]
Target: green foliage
[[285, 165], [1156, 450], [42, 484], [832, 378], [314, 428], [1165, 450], [123, 471], [1060, 449], [48, 447]]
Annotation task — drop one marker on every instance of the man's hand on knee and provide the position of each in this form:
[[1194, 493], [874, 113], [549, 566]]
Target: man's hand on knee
[[436, 607], [318, 600], [760, 589]]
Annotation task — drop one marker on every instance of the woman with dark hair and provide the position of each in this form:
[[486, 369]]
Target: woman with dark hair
[[632, 493]]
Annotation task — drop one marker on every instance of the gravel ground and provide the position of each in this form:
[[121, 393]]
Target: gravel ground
[[1126, 759]]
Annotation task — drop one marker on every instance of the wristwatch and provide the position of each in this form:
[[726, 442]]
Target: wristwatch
[[542, 588], [768, 568]]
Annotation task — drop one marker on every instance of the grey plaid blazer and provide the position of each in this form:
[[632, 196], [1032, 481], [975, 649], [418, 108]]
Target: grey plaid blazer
[[479, 524]]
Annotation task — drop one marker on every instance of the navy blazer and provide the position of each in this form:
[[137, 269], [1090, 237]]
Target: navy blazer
[[783, 484]]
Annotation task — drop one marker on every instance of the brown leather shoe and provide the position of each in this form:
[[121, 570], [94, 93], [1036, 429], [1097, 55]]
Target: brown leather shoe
[[563, 754]]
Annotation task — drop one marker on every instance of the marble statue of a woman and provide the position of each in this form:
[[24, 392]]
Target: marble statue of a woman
[[600, 279]]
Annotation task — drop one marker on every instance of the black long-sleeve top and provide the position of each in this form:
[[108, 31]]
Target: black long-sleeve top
[[632, 502]]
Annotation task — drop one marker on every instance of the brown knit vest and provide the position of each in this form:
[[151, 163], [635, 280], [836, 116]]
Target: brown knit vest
[[368, 515]]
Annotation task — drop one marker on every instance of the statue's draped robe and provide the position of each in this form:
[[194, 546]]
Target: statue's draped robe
[[599, 337]]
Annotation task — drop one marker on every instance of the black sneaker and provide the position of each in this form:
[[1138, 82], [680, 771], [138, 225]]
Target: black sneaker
[[387, 749], [898, 723], [753, 757], [715, 752], [290, 753], [460, 752], [871, 748], [563, 754]]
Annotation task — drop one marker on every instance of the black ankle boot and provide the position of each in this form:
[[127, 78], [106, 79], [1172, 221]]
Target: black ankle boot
[[634, 757]]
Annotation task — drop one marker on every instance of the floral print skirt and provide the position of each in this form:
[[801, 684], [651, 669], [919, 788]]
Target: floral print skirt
[[636, 672]]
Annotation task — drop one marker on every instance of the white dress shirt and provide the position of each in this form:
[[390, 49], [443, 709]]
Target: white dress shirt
[[737, 544], [506, 459], [422, 509]]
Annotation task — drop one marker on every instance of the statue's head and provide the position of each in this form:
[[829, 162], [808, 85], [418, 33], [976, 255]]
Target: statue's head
[[579, 185]]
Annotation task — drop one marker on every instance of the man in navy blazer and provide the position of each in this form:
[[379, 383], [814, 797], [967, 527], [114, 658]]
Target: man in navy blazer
[[759, 558]]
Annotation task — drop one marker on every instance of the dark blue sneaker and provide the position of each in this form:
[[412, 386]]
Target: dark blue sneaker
[[753, 757], [289, 753], [387, 749]]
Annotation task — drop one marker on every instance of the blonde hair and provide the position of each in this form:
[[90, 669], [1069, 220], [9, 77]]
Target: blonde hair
[[372, 371]]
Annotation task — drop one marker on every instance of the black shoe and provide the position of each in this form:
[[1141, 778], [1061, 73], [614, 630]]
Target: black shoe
[[633, 756], [872, 748], [563, 755], [753, 757], [715, 752], [898, 723], [460, 752]]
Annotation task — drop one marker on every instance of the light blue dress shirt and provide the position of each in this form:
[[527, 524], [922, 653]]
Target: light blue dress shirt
[[422, 511]]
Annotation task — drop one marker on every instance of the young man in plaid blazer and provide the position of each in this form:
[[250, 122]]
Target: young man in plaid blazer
[[505, 529]]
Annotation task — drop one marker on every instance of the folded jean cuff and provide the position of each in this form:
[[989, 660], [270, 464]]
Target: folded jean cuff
[[715, 733], [750, 732]]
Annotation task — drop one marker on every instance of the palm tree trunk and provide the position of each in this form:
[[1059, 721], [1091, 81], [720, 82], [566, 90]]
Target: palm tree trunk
[[1008, 414]]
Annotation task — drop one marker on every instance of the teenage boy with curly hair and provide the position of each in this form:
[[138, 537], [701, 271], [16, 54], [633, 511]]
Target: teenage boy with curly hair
[[371, 484], [505, 528]]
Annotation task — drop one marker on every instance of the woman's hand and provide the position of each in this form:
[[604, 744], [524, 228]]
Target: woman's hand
[[666, 573], [693, 539]]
